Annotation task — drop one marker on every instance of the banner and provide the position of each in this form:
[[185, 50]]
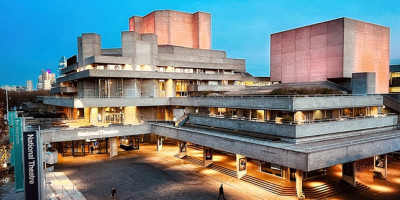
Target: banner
[[31, 165], [18, 158], [11, 115]]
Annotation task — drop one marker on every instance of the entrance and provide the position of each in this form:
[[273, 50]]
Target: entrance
[[82, 147]]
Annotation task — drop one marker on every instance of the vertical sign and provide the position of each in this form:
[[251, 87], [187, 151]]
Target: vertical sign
[[31, 165], [18, 159], [10, 117]]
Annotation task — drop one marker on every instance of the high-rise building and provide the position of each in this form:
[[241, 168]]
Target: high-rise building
[[331, 50], [45, 79], [29, 85]]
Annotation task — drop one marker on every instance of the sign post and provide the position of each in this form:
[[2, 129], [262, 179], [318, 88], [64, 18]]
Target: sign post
[[17, 154], [32, 165], [11, 115]]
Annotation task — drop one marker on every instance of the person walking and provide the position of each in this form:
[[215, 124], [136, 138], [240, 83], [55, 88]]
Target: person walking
[[91, 149], [114, 193], [221, 192]]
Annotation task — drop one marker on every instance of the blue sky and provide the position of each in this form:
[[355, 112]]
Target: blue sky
[[35, 34]]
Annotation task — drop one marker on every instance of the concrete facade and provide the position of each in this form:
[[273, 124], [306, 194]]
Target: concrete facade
[[176, 28], [166, 82], [329, 50]]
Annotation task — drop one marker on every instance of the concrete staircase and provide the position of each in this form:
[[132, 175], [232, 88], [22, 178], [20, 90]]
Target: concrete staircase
[[333, 189], [392, 101], [223, 170], [181, 121], [270, 187]]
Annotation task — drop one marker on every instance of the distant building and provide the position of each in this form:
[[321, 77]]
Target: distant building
[[9, 87], [13, 88], [29, 85], [45, 79]]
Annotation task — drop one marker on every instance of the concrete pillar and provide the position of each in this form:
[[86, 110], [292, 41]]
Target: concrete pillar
[[182, 146], [169, 115], [131, 115], [170, 88], [159, 143], [94, 112], [113, 146], [349, 173], [239, 113], [207, 156], [260, 115], [75, 113], [299, 183], [86, 114], [286, 172], [268, 115], [213, 111], [241, 166], [380, 166]]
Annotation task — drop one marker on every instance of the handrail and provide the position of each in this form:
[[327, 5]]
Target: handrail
[[291, 122], [229, 96]]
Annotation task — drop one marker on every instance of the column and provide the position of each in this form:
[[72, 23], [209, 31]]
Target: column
[[74, 113], [86, 114], [268, 115], [241, 166], [349, 173], [159, 143], [260, 115], [182, 149], [170, 89], [207, 156], [113, 146], [286, 172], [380, 166], [94, 120], [299, 183], [130, 113]]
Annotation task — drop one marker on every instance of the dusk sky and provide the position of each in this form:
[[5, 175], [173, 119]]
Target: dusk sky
[[35, 34]]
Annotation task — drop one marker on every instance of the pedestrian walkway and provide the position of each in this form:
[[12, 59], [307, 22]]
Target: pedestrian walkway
[[330, 189], [61, 187]]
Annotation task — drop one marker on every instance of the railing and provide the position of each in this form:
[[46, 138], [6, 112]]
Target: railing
[[224, 96], [234, 117], [69, 190], [182, 121], [346, 143], [287, 96]]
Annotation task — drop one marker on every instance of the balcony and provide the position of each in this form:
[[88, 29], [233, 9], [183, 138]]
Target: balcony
[[297, 133], [215, 88]]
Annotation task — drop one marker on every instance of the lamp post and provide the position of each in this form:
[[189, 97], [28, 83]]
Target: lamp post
[[6, 100]]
